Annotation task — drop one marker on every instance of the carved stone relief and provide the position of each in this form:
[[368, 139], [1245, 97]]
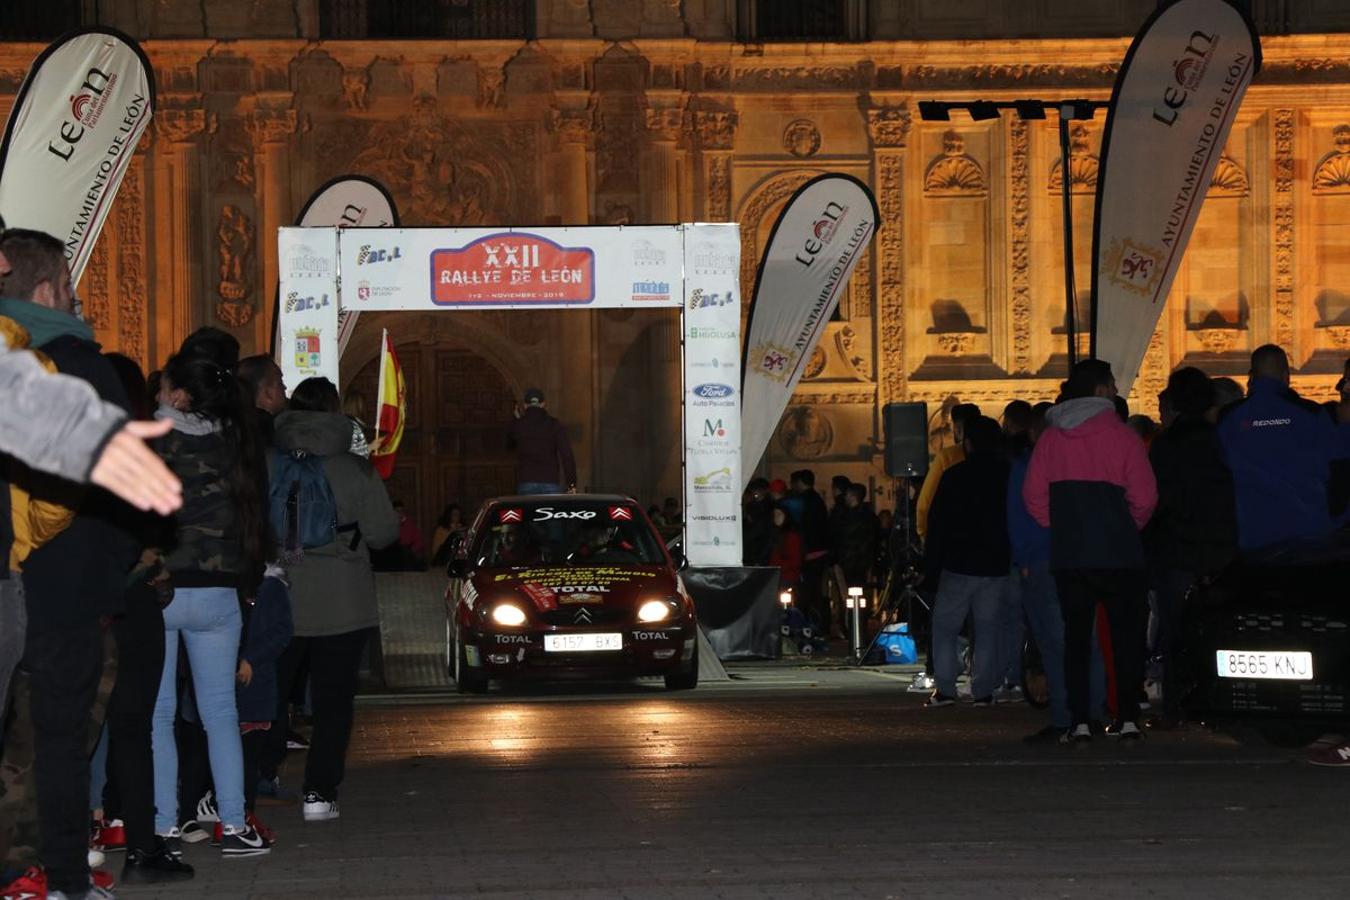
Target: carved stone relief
[[234, 236], [94, 289], [777, 190], [233, 157], [716, 128], [801, 138], [815, 365], [1083, 164], [1332, 175], [1229, 179], [1020, 190], [1284, 229], [955, 172], [439, 171], [132, 293], [355, 84], [888, 126], [806, 433]]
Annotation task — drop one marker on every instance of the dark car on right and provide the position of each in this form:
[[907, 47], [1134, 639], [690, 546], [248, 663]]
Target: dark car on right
[[1268, 646]]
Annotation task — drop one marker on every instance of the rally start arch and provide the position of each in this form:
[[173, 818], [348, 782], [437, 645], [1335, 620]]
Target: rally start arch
[[692, 267]]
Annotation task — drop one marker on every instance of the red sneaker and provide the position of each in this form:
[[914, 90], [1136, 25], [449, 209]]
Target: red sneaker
[[108, 835], [31, 885], [268, 834], [1337, 756], [102, 879], [217, 834]]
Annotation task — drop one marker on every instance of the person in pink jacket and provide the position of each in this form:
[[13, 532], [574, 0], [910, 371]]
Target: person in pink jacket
[[1091, 484]]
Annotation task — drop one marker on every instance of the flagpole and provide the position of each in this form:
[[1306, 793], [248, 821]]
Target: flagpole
[[379, 389]]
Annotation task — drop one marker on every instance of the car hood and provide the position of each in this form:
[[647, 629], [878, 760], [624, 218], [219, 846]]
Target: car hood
[[544, 589]]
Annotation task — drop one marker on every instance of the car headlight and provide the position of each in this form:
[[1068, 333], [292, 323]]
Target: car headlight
[[507, 614], [654, 611]]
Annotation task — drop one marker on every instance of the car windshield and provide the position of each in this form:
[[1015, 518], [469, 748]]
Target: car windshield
[[576, 534]]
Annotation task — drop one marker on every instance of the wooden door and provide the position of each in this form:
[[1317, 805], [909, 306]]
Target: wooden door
[[454, 441]]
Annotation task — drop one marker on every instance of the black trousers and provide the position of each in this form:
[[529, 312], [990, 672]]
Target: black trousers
[[815, 601], [130, 793], [64, 667], [255, 745], [334, 667], [291, 668], [1122, 592], [1172, 586]]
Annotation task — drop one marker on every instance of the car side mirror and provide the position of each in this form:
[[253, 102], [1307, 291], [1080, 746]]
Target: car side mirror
[[677, 557], [458, 567]]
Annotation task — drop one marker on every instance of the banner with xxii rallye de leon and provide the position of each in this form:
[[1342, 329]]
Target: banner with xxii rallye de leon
[[813, 249], [1173, 106], [75, 123]]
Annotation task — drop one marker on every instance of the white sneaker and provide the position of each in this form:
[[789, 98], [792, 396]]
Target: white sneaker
[[317, 809], [923, 683], [1130, 732], [206, 809], [1081, 734]]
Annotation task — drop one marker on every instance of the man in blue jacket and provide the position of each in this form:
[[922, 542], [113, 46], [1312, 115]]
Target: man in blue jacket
[[1279, 448]]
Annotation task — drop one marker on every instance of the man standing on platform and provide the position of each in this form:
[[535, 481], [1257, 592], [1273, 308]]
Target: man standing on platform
[[542, 447]]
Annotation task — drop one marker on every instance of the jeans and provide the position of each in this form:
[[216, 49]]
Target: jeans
[[957, 597], [13, 625], [208, 621], [1012, 631], [538, 487], [1040, 602], [1122, 593], [334, 666]]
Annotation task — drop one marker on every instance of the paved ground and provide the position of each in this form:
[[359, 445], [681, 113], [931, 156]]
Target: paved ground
[[793, 783]]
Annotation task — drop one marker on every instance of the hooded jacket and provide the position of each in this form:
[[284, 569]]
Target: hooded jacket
[[1090, 483], [79, 572], [332, 587], [28, 522], [1279, 451]]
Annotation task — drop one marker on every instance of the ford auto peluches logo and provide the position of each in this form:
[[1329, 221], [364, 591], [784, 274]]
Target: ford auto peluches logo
[[713, 391]]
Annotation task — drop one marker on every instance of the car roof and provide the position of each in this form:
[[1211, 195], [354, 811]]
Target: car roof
[[527, 499]]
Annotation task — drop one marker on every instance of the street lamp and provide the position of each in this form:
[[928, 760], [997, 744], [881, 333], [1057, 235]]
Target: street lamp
[[856, 603], [1033, 109]]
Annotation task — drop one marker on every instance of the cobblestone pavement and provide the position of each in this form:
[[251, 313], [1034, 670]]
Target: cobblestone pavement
[[786, 783]]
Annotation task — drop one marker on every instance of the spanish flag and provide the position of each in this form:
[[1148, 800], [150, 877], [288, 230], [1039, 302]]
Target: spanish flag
[[390, 412]]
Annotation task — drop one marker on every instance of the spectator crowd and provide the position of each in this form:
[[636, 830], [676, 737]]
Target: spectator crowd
[[1080, 527], [163, 606]]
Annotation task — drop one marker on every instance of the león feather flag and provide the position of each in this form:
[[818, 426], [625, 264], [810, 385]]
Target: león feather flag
[[391, 410]]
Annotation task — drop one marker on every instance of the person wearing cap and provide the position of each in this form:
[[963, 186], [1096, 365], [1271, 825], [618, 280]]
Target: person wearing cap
[[542, 448]]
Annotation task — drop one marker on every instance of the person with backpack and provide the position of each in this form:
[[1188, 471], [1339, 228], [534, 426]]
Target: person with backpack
[[328, 509], [217, 543]]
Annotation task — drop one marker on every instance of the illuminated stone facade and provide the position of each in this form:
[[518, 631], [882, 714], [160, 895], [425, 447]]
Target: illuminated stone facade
[[960, 297]]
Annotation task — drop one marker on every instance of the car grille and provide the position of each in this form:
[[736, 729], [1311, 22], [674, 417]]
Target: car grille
[[600, 615], [1288, 623]]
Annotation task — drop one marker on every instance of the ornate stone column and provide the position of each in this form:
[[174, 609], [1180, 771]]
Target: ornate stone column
[[660, 186], [573, 125], [1282, 329], [271, 130], [889, 130], [177, 217], [716, 130]]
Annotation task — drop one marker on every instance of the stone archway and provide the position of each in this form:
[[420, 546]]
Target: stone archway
[[462, 384]]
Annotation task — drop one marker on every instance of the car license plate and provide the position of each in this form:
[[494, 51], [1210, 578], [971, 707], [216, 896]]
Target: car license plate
[[1282, 665], [582, 643]]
